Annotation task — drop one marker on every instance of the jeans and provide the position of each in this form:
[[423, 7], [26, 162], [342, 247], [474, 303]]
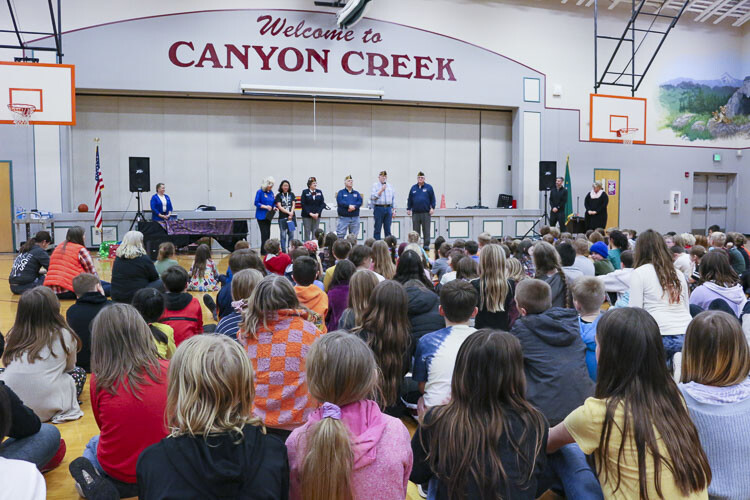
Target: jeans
[[284, 233], [383, 216], [420, 222], [347, 223], [309, 226], [19, 289], [672, 344], [265, 233], [38, 448], [568, 470], [89, 453]]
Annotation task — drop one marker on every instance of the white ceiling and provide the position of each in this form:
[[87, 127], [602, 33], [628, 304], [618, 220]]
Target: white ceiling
[[736, 12]]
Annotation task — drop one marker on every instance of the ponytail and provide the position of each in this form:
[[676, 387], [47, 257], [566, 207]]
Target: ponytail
[[328, 463], [26, 247]]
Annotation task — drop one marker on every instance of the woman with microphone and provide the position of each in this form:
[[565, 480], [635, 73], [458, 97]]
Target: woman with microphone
[[265, 206]]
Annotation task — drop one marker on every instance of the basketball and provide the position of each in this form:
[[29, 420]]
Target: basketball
[[83, 207]]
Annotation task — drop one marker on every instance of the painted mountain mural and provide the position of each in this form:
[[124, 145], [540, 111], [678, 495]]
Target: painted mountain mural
[[707, 109]]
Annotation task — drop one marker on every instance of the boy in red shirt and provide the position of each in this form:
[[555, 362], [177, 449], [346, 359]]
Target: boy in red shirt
[[183, 312], [275, 260]]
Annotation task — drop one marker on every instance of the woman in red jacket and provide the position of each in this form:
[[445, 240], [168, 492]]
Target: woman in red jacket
[[68, 261]]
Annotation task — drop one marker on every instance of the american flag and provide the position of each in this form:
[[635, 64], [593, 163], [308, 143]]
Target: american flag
[[98, 194]]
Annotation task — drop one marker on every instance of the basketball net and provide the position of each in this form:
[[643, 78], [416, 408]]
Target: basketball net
[[627, 135], [21, 113]]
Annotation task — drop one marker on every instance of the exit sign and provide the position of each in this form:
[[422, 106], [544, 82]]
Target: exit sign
[[717, 157]]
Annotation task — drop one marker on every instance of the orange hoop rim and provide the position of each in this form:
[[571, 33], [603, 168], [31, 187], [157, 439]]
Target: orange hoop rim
[[21, 112], [625, 132]]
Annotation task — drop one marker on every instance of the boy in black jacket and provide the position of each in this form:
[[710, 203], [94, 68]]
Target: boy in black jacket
[[557, 380], [90, 299]]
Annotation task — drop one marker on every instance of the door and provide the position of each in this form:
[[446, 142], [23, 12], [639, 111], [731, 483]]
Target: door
[[6, 208], [710, 201], [610, 179]]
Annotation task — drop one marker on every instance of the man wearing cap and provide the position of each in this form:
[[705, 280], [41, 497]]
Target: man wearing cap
[[313, 203], [421, 205], [383, 202], [599, 253], [348, 202]]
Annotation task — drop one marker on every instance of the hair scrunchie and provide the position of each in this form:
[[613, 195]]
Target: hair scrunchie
[[239, 305], [330, 410]]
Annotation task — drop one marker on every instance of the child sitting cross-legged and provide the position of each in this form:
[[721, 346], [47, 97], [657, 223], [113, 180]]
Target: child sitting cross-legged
[[347, 449], [204, 275], [216, 447], [182, 311], [588, 297], [90, 300]]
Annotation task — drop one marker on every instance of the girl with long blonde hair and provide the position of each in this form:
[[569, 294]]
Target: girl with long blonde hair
[[382, 260], [347, 447], [209, 413], [495, 289]]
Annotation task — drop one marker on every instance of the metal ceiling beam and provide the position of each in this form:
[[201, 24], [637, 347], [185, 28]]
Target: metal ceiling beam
[[742, 20], [730, 11], [718, 4]]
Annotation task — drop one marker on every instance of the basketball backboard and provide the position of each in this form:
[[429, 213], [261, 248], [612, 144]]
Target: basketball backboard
[[50, 88], [610, 114]]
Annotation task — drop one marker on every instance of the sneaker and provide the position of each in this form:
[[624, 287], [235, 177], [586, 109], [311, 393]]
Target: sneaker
[[210, 303], [57, 459], [422, 489], [89, 483]]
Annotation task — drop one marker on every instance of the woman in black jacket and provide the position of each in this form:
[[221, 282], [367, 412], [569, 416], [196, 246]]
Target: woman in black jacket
[[313, 203], [133, 269], [596, 207], [32, 257], [217, 447]]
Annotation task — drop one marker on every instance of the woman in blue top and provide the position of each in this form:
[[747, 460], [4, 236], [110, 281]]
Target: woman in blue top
[[264, 210], [161, 205]]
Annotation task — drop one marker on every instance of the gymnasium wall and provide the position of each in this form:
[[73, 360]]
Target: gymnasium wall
[[554, 39], [229, 146]]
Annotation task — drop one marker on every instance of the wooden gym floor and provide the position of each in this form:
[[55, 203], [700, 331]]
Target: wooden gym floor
[[77, 433]]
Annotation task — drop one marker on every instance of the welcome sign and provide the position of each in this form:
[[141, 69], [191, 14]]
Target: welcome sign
[[213, 53]]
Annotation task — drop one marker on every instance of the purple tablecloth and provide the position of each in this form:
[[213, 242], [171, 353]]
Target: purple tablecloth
[[193, 227]]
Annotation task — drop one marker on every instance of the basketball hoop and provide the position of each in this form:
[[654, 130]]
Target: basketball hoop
[[21, 112], [627, 135]]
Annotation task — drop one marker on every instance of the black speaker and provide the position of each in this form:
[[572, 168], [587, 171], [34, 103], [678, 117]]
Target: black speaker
[[140, 174], [547, 175]]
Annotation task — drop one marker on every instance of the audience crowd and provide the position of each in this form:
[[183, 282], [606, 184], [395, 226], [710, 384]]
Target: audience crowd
[[609, 364]]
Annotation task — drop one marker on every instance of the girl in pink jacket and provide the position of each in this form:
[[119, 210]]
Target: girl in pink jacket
[[347, 448]]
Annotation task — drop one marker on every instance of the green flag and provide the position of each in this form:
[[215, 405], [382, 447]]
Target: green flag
[[569, 203]]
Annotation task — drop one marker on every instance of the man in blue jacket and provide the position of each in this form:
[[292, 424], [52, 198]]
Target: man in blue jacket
[[348, 202], [421, 206]]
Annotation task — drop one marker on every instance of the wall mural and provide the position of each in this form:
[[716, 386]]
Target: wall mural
[[707, 109]]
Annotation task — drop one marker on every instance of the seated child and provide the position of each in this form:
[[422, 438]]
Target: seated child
[[244, 258], [296, 254], [204, 276], [182, 312], [554, 354], [275, 260], [440, 266], [472, 249], [166, 257], [436, 352], [227, 278], [150, 303], [600, 256], [588, 297], [340, 249], [90, 300], [243, 284], [309, 295], [619, 281]]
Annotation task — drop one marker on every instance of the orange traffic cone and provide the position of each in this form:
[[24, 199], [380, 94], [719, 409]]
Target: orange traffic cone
[[442, 201]]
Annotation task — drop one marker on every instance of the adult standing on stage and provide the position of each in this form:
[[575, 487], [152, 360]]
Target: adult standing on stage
[[558, 197], [285, 204], [161, 205], [596, 207], [348, 202], [421, 205], [313, 203], [264, 210], [383, 201]]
